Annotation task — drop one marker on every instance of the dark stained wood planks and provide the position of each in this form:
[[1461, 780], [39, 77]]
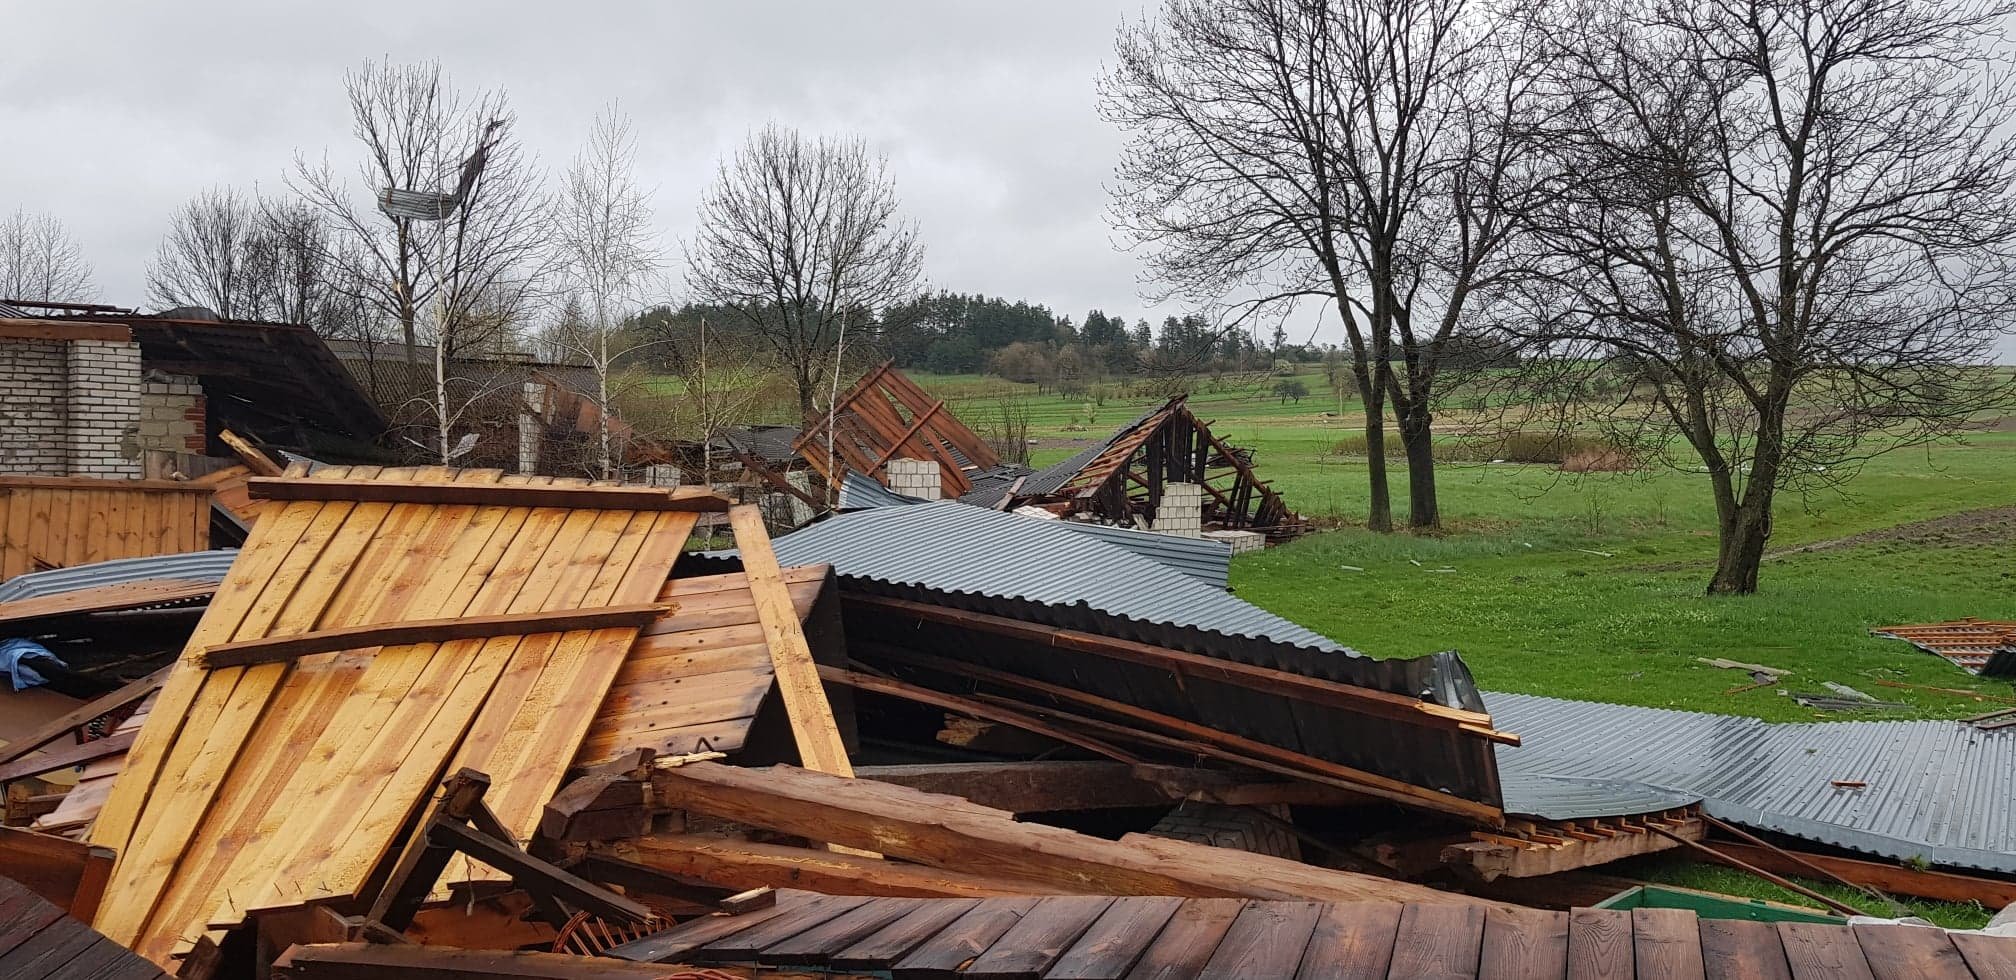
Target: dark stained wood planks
[[1042, 935], [1112, 943], [1902, 952], [39, 942], [966, 938], [1188, 940], [1816, 950], [1521, 942], [1266, 942], [1666, 944], [1599, 944]]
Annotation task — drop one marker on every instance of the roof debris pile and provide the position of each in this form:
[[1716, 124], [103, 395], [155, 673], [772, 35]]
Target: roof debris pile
[[439, 722], [1985, 647]]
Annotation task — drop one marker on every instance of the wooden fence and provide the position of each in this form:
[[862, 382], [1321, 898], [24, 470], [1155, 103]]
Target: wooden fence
[[59, 521]]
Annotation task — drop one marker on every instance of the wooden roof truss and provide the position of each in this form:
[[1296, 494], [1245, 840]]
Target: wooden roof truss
[[1172, 445], [885, 416]]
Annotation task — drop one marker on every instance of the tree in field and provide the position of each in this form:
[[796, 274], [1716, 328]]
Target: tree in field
[[1787, 226], [1362, 153], [40, 261], [608, 255], [1291, 389], [799, 237]]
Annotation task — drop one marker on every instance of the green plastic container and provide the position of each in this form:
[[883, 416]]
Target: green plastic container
[[1709, 905]]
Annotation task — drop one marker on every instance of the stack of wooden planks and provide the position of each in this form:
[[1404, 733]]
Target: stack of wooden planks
[[60, 521], [286, 777]]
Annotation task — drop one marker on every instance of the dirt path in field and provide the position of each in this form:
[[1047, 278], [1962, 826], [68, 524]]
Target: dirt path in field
[[1988, 525]]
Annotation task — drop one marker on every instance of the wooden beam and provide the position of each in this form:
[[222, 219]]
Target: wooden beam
[[365, 961], [104, 598], [535, 875], [258, 462], [68, 874], [276, 649], [1490, 858], [1893, 879], [11, 482], [1229, 747], [64, 757], [83, 714], [487, 494], [1365, 700], [949, 832], [922, 419], [981, 710], [422, 861], [732, 863], [18, 329], [812, 726]]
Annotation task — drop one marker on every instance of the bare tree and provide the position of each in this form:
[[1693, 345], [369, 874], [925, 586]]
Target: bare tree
[[456, 274], [723, 379], [1357, 151], [40, 261], [1787, 226], [608, 254], [797, 235], [206, 259]]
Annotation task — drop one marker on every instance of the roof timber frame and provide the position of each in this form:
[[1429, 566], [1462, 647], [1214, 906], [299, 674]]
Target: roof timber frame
[[885, 416]]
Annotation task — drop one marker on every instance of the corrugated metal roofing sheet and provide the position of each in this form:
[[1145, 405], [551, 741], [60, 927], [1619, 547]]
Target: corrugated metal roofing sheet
[[195, 566], [1204, 559], [1936, 790], [858, 492]]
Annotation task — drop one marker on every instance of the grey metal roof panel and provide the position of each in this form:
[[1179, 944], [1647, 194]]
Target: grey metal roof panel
[[194, 566], [1203, 559], [13, 313], [1936, 790], [858, 492]]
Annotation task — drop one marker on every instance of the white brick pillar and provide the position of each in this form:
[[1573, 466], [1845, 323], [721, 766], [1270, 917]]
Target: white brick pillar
[[103, 426], [531, 425], [1181, 511], [915, 478], [663, 475], [34, 390]]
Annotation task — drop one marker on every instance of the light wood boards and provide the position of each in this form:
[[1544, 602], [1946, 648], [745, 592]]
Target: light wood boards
[[797, 676], [104, 598], [261, 787], [57, 522], [572, 495]]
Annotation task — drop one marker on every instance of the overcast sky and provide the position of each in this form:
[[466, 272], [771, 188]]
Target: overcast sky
[[987, 112]]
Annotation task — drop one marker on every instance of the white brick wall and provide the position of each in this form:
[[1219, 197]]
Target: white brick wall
[[34, 394], [916, 478], [1181, 511], [1241, 542], [171, 413], [103, 386]]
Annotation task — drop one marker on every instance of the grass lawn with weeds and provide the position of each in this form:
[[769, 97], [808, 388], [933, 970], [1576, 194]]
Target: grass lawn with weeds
[[1670, 870]]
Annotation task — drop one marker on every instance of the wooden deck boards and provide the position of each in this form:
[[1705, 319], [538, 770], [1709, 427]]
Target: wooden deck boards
[[1086, 938], [38, 941], [276, 784]]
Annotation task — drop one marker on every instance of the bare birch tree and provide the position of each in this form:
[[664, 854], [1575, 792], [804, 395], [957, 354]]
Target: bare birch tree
[[609, 255], [1360, 152], [795, 235], [1789, 224], [40, 261]]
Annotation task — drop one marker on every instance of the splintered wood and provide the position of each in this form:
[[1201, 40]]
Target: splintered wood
[[276, 784]]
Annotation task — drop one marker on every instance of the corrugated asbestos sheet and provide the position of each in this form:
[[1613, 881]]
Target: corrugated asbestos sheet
[[194, 566], [1936, 790]]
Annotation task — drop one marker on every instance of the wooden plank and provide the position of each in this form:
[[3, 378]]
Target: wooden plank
[[274, 649], [1352, 941], [896, 940], [365, 961], [948, 831], [14, 328], [1666, 944], [746, 864], [84, 714], [1116, 939], [747, 944], [1599, 944], [812, 727], [819, 944], [1902, 952], [258, 462], [1988, 956], [1187, 942], [1816, 950], [538, 876], [680, 941], [1049, 785], [1266, 942], [1520, 942], [1741, 949], [67, 756], [581, 497], [1442, 942], [1276, 682], [1042, 935], [966, 938], [14, 481], [1890, 878]]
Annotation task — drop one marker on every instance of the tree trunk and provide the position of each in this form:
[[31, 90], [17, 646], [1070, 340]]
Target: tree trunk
[[1743, 535], [1379, 505], [1417, 435]]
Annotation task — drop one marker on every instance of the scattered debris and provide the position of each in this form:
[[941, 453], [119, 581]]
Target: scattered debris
[[1838, 702], [1985, 647], [1739, 665], [1599, 554], [1846, 691]]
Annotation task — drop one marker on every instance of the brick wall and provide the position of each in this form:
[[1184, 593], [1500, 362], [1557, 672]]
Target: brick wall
[[1181, 510], [171, 413], [916, 478], [33, 393]]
